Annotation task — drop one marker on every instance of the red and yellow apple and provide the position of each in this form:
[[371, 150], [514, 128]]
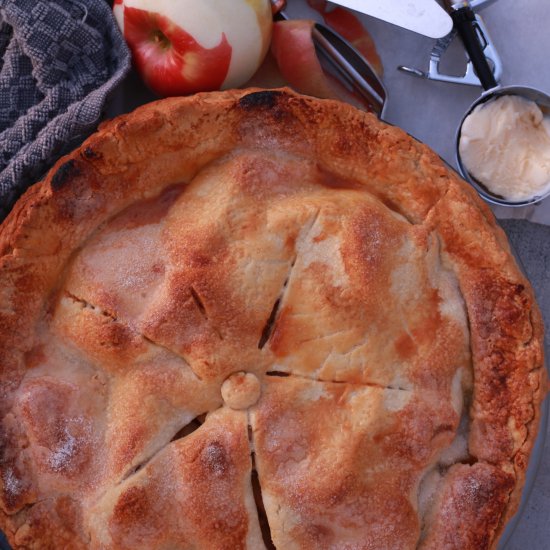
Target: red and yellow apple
[[185, 46]]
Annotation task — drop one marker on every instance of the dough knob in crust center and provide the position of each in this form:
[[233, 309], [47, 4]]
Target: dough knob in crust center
[[241, 390]]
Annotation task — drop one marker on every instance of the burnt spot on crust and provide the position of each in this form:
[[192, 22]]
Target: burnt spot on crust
[[64, 174], [267, 99], [269, 115], [91, 154]]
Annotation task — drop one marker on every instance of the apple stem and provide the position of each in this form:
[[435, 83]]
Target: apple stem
[[160, 39]]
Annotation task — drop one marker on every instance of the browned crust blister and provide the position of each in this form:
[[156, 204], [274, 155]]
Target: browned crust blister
[[310, 162]]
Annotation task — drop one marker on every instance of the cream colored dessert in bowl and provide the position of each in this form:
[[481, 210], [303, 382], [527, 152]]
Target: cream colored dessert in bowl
[[505, 145]]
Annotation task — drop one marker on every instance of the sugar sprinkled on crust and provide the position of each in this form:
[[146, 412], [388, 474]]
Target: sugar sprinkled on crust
[[393, 343]]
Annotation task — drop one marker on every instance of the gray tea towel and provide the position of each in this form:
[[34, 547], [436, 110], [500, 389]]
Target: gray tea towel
[[59, 60]]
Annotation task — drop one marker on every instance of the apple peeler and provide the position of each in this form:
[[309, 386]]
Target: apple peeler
[[349, 64], [483, 59]]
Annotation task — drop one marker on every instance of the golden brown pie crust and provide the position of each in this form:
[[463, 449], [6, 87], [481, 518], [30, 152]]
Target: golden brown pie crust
[[253, 307]]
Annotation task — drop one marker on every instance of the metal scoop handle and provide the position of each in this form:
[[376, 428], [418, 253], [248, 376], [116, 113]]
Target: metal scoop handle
[[485, 43], [464, 20]]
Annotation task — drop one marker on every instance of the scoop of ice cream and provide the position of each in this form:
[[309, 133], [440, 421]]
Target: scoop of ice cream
[[505, 145]]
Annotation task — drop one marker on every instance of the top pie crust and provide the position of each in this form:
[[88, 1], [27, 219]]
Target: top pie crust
[[258, 281]]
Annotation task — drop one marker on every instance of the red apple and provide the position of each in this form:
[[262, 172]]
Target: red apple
[[185, 46]]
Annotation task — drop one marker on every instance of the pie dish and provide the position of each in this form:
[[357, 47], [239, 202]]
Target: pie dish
[[256, 319]]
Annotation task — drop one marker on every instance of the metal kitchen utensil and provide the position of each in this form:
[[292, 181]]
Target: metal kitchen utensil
[[475, 28], [464, 19], [484, 69], [421, 16], [354, 69]]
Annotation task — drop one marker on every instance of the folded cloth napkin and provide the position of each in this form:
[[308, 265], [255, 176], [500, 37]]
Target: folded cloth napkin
[[59, 60]]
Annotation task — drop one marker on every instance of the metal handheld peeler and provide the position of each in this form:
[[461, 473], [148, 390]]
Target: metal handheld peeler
[[341, 56], [484, 67]]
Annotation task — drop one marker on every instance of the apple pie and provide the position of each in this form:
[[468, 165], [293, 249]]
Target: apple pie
[[254, 319]]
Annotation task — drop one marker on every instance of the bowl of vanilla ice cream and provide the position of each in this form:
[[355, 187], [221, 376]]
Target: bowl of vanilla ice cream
[[503, 145]]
